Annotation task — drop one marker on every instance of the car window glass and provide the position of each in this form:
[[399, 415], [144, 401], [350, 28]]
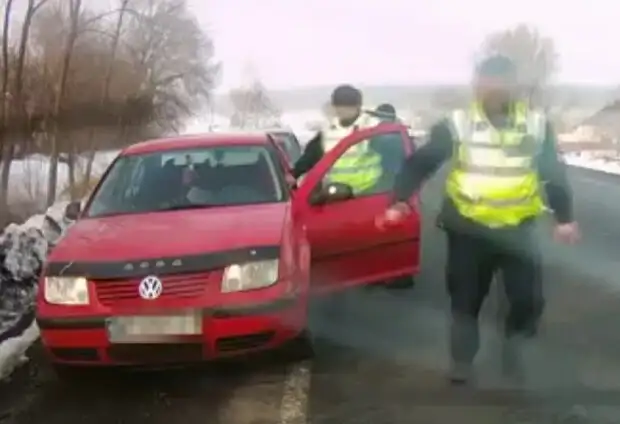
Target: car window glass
[[289, 143], [135, 180], [369, 166], [206, 177]]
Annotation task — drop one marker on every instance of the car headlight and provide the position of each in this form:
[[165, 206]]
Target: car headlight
[[249, 276], [66, 290]]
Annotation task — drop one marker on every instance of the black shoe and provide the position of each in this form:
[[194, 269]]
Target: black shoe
[[461, 373]]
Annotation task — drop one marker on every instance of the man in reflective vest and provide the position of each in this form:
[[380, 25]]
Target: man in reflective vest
[[360, 166], [500, 151]]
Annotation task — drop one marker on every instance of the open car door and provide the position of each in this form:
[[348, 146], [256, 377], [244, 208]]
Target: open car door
[[347, 248]]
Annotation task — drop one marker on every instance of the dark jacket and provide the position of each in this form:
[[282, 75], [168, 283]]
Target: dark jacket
[[313, 152]]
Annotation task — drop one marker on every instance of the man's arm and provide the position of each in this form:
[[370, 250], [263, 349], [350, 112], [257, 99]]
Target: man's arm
[[313, 152], [424, 162], [552, 170]]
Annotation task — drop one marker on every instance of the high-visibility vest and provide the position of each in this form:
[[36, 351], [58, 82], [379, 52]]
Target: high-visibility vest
[[493, 179], [360, 166], [333, 132]]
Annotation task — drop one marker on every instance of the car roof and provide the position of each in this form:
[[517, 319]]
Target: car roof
[[198, 140], [274, 130]]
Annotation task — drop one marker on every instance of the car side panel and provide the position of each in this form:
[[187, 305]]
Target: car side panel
[[347, 247], [349, 250]]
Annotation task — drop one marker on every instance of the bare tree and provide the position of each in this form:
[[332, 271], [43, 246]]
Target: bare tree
[[176, 58], [534, 54], [4, 106], [138, 69], [75, 8], [17, 95], [253, 108], [105, 89]]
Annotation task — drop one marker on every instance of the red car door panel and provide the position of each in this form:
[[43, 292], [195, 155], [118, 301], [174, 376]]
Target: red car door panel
[[347, 248]]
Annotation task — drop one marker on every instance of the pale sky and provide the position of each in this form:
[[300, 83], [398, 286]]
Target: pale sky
[[295, 43]]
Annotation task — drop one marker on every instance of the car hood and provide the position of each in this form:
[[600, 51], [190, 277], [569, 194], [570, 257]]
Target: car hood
[[165, 234]]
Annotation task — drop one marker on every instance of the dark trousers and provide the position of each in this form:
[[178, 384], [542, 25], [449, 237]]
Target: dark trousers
[[473, 260]]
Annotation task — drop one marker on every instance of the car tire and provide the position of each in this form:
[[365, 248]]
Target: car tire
[[406, 282]]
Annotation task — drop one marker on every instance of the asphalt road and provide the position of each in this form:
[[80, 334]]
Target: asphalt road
[[382, 359]]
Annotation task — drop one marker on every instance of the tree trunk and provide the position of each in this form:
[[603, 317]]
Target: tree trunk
[[71, 158], [88, 170], [5, 173], [74, 12], [7, 146], [105, 89]]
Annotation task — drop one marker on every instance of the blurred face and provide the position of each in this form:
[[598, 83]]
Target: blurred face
[[495, 91], [345, 113]]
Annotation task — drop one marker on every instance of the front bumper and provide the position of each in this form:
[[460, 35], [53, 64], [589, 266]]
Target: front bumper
[[227, 330]]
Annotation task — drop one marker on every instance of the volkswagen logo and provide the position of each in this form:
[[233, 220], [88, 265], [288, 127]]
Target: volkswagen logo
[[150, 288]]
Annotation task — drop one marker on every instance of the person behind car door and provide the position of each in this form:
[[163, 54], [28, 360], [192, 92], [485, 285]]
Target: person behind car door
[[500, 151], [386, 112], [346, 101], [391, 150]]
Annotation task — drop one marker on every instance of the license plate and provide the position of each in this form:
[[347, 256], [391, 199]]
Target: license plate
[[152, 328]]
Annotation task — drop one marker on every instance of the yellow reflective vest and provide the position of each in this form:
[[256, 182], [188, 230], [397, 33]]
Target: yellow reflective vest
[[493, 178], [360, 166]]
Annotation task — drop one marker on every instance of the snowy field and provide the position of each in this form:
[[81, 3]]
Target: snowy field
[[29, 176], [23, 248]]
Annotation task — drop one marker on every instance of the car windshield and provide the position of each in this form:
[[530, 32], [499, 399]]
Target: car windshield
[[186, 179], [289, 143]]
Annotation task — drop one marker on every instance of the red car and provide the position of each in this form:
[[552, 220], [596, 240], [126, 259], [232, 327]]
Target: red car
[[195, 248]]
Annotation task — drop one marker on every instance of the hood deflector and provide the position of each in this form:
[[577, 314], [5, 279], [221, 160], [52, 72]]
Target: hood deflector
[[161, 266]]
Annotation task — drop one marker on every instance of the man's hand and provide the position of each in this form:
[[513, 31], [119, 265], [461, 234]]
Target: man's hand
[[567, 233], [291, 181], [393, 215]]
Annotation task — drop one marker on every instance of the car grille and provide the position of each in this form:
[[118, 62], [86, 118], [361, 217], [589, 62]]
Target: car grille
[[114, 292]]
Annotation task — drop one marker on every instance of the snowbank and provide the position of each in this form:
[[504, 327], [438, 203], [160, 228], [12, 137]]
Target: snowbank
[[585, 160], [23, 249]]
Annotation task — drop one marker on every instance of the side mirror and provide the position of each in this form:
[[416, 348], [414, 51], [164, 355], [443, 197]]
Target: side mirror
[[73, 210], [332, 192]]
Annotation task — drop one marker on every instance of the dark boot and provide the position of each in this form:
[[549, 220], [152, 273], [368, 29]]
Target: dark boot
[[461, 373]]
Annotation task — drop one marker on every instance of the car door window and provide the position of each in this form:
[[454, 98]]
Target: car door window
[[387, 150]]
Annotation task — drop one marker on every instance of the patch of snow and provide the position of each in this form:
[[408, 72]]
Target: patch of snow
[[588, 161], [13, 350], [29, 175], [23, 249]]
